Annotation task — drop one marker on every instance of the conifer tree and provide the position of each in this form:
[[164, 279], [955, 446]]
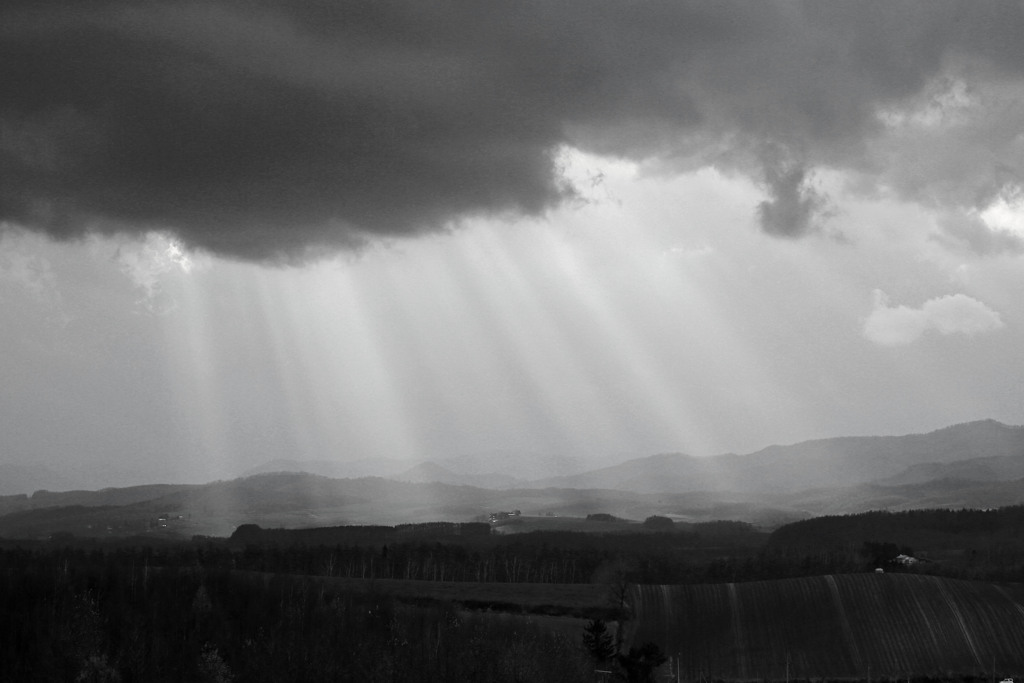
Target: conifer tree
[[598, 641]]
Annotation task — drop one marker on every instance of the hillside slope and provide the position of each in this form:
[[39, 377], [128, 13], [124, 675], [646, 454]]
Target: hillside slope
[[846, 626]]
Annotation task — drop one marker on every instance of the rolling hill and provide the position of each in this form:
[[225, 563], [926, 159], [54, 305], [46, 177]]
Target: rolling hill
[[854, 626]]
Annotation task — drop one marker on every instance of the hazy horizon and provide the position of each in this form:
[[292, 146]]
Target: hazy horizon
[[482, 469], [320, 231]]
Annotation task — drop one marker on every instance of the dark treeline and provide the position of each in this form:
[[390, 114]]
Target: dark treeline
[[975, 544], [75, 615], [938, 528], [672, 557], [528, 560], [434, 553], [331, 535], [451, 553], [967, 543]]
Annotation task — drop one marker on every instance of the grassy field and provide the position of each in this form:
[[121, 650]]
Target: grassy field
[[860, 626], [580, 600]]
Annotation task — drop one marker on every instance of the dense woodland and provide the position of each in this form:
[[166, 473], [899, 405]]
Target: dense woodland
[[971, 544], [437, 553], [968, 543], [256, 606]]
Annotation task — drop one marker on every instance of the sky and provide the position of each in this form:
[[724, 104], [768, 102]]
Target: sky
[[232, 232]]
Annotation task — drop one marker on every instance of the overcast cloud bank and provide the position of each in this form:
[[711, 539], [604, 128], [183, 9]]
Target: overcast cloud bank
[[270, 130]]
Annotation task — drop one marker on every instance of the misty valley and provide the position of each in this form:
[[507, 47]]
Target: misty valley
[[302, 577]]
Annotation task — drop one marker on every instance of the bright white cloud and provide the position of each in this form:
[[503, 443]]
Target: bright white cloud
[[1006, 213], [147, 262], [952, 314]]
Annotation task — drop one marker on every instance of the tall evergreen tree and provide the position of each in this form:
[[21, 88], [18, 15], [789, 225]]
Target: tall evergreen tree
[[598, 641]]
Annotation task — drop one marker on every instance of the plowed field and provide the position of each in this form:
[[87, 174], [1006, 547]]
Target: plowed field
[[846, 626]]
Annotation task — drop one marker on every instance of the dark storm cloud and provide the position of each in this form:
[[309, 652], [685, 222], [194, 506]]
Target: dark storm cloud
[[264, 130], [794, 205]]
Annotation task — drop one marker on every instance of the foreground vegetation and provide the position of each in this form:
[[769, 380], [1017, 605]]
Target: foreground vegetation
[[436, 602], [78, 619]]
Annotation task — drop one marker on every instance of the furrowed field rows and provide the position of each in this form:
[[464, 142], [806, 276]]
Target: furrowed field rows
[[844, 626]]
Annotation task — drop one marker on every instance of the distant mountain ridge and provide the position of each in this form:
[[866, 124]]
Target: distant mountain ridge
[[977, 464], [431, 472], [984, 450], [822, 463], [346, 469], [490, 469]]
